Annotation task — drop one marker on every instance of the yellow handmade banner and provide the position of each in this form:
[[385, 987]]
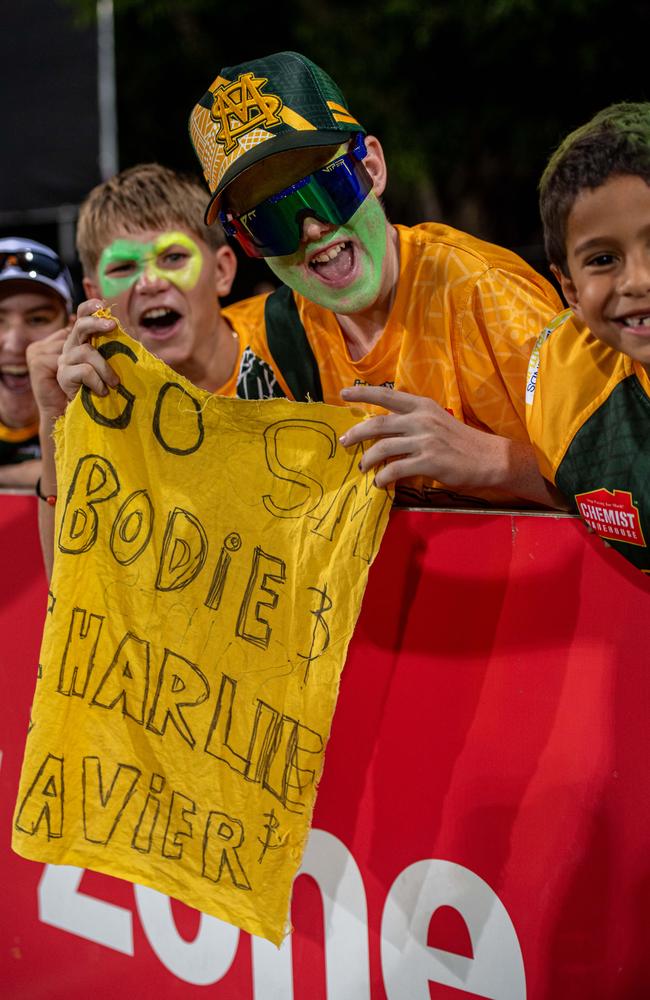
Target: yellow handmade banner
[[211, 557]]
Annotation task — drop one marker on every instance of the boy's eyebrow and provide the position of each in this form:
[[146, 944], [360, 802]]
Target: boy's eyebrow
[[53, 306], [593, 242]]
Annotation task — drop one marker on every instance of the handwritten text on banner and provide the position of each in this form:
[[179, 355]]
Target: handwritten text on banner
[[211, 557]]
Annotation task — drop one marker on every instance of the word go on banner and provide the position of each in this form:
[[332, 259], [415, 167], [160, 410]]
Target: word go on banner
[[211, 557]]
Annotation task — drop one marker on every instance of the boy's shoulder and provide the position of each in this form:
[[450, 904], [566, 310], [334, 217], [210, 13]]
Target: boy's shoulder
[[457, 263], [567, 354], [247, 315], [571, 376]]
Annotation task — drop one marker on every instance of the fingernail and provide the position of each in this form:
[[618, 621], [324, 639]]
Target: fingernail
[[108, 323], [343, 438]]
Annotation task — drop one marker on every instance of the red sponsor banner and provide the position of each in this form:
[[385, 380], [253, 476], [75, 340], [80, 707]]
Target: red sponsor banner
[[612, 514], [483, 821]]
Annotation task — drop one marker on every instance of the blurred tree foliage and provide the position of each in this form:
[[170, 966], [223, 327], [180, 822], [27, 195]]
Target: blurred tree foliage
[[468, 97]]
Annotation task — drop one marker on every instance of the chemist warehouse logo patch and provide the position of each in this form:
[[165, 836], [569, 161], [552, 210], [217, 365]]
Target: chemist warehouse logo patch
[[613, 515]]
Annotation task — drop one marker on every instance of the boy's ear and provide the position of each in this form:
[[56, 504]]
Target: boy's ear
[[91, 288], [569, 290], [225, 264], [375, 164]]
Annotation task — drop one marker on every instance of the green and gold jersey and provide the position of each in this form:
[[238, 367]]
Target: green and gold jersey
[[588, 415]]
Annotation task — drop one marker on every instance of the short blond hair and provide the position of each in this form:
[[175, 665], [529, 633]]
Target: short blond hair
[[148, 196]]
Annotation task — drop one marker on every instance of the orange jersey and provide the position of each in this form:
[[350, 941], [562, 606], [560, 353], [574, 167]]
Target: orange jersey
[[464, 321], [461, 330]]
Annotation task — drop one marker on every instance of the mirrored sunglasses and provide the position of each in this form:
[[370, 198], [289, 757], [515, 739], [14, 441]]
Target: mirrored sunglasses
[[331, 195]]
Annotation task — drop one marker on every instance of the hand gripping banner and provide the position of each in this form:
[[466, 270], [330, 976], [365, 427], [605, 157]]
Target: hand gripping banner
[[211, 557]]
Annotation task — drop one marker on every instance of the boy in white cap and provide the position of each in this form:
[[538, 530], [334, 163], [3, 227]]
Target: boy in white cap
[[36, 294]]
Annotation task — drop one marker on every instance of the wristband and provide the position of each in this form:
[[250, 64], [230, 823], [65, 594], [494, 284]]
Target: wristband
[[51, 499]]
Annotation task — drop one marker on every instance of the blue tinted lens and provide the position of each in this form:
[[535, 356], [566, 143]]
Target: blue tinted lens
[[331, 194]]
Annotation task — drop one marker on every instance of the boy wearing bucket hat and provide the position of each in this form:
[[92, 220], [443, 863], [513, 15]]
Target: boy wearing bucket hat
[[36, 295], [429, 323]]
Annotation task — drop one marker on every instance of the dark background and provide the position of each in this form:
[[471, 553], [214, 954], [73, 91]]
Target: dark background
[[469, 97]]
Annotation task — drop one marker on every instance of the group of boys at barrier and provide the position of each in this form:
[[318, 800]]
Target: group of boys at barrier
[[465, 383]]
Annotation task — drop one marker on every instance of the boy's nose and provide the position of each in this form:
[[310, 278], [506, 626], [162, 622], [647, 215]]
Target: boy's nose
[[151, 281], [15, 338], [635, 279], [313, 229]]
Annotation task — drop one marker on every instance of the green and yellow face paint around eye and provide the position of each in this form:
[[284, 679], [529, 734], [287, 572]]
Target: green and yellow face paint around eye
[[174, 256]]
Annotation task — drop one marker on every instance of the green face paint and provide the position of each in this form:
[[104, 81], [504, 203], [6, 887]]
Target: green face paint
[[173, 256], [368, 227]]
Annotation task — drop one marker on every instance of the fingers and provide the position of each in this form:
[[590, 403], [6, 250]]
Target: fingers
[[391, 473], [383, 450], [42, 360], [90, 306], [80, 363], [83, 365], [74, 376], [374, 427], [88, 326], [377, 395], [55, 340], [417, 438], [42, 351]]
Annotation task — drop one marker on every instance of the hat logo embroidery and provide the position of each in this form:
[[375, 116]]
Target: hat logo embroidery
[[241, 107]]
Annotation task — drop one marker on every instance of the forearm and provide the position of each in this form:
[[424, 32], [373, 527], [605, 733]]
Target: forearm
[[48, 488], [513, 468], [20, 474]]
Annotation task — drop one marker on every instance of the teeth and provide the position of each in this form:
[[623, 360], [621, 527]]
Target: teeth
[[13, 370], [636, 321], [156, 313], [322, 258]]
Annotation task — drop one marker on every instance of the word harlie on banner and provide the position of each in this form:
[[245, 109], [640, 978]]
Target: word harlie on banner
[[211, 557]]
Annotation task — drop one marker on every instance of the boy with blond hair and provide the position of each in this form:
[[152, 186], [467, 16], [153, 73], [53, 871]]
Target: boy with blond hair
[[146, 253], [588, 394]]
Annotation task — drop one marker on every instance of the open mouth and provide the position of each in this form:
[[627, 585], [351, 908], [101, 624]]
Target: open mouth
[[335, 263], [15, 378], [160, 320], [636, 320]]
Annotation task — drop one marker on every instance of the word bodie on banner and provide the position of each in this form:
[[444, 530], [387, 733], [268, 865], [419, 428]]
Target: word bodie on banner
[[211, 556]]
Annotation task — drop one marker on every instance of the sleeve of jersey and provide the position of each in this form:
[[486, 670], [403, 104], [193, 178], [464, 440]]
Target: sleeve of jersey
[[570, 374], [498, 331], [542, 428]]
